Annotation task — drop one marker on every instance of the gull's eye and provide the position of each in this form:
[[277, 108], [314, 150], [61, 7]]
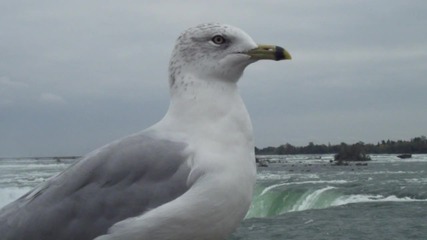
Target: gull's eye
[[218, 39]]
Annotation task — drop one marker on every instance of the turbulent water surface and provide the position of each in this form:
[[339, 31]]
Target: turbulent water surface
[[302, 197]]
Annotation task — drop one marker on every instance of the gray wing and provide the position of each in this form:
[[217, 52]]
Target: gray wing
[[121, 180]]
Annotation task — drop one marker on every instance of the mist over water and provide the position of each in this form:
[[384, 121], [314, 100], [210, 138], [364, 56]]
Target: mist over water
[[302, 197]]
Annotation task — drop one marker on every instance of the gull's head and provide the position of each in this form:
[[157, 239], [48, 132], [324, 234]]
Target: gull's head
[[217, 52]]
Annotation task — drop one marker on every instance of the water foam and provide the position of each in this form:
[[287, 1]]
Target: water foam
[[310, 200], [304, 182], [360, 198]]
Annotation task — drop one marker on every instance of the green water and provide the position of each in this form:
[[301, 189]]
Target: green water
[[303, 198]]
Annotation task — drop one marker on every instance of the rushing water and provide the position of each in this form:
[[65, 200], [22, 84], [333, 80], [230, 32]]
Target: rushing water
[[302, 197]]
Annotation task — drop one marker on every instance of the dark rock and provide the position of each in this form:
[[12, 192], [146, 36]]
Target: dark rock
[[361, 164], [404, 156]]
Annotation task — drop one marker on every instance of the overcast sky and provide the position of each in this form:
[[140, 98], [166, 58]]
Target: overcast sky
[[75, 75]]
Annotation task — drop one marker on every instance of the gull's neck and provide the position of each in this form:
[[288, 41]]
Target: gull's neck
[[208, 109], [204, 100]]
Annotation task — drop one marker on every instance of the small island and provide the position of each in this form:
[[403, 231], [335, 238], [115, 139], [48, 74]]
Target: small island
[[348, 153]]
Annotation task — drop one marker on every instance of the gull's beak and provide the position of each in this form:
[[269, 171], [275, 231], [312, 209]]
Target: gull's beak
[[269, 52]]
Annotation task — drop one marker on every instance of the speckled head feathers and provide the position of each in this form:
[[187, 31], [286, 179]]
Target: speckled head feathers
[[211, 51]]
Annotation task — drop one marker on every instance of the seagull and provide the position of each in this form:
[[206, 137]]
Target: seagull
[[189, 176]]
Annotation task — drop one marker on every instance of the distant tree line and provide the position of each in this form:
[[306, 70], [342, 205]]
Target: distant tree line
[[415, 145]]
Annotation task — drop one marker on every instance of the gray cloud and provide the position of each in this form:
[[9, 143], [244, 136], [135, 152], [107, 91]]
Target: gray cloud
[[76, 75]]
